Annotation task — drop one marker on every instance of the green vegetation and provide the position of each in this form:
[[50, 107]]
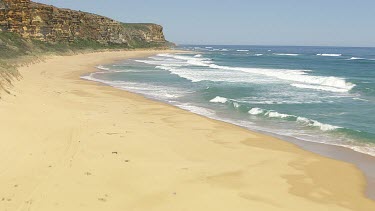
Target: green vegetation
[[136, 26], [13, 46], [14, 50], [138, 43]]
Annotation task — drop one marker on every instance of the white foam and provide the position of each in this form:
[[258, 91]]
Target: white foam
[[301, 77], [157, 92], [198, 56], [100, 67], [324, 127], [264, 101], [195, 61], [256, 111], [286, 54], [242, 50], [274, 114], [360, 99], [364, 148], [165, 63], [329, 54], [258, 54], [236, 105], [356, 58], [314, 123], [330, 83], [219, 99], [323, 88], [301, 120]]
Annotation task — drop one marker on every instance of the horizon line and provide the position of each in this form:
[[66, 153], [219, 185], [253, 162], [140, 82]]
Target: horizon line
[[270, 45]]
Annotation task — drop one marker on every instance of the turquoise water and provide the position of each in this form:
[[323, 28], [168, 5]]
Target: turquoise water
[[317, 94]]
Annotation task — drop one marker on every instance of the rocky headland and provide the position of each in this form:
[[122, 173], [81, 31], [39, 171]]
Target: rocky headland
[[29, 29]]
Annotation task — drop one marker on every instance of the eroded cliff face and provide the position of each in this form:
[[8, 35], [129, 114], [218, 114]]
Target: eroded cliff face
[[52, 24]]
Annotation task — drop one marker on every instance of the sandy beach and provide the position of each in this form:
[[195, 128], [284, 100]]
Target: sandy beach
[[71, 144]]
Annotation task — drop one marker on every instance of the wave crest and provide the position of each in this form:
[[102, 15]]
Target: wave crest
[[301, 77], [329, 54], [219, 99], [286, 54], [256, 111], [302, 120]]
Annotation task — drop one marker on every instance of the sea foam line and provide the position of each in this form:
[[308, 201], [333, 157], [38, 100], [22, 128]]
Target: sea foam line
[[303, 79], [158, 92], [329, 54], [286, 54], [356, 58], [361, 148], [101, 67], [360, 58], [276, 115], [298, 119], [365, 148]]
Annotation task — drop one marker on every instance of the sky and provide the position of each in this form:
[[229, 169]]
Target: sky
[[246, 22]]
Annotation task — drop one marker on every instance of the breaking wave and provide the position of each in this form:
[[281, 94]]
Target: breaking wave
[[286, 54], [356, 58], [219, 99], [303, 79], [255, 111], [323, 88], [301, 120], [276, 115], [250, 109], [329, 54]]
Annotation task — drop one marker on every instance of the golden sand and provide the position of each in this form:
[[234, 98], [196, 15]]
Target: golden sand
[[69, 144]]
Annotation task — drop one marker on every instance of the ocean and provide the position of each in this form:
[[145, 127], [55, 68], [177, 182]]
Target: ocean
[[314, 94]]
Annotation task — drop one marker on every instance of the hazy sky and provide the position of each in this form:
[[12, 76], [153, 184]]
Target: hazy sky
[[253, 22]]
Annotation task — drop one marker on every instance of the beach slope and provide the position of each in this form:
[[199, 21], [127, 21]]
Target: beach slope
[[70, 144]]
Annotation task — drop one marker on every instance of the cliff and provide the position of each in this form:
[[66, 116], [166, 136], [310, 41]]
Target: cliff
[[51, 24], [30, 30]]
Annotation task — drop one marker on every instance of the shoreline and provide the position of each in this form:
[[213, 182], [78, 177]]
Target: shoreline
[[216, 160], [364, 162]]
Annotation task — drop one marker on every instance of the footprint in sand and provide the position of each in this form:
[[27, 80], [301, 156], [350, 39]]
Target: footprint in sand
[[103, 199]]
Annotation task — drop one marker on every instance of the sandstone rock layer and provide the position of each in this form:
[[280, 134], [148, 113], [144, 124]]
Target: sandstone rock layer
[[51, 24]]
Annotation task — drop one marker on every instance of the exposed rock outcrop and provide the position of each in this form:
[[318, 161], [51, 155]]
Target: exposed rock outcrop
[[51, 24], [29, 30]]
